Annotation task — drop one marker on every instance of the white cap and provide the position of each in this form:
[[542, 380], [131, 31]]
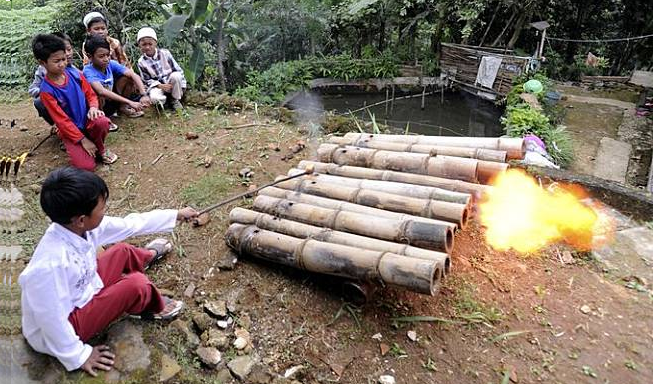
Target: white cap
[[93, 15], [146, 32]]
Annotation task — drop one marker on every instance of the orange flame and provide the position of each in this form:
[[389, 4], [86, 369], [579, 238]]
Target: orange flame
[[520, 214]]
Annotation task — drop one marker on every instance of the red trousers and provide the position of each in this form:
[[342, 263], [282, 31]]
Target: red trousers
[[126, 290], [96, 131]]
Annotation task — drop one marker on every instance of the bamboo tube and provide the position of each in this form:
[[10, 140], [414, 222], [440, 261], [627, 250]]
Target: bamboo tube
[[377, 174], [417, 191], [514, 147], [324, 202], [488, 170], [437, 237], [421, 276], [303, 231], [433, 150], [433, 209], [448, 167]]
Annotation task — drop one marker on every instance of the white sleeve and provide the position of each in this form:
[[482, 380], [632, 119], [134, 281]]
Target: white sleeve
[[45, 293], [116, 229]]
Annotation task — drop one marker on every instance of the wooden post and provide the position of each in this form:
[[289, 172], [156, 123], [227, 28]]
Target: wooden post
[[387, 95], [392, 103], [423, 97], [539, 55]]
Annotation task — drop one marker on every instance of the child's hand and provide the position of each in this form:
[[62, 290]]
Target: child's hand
[[89, 147], [94, 113], [146, 101], [101, 358], [186, 214], [165, 87]]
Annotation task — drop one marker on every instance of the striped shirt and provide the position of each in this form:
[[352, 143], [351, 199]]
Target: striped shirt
[[157, 69]]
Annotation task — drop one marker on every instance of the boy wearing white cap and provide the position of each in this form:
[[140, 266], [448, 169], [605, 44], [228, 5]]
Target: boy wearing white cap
[[159, 70], [96, 24]]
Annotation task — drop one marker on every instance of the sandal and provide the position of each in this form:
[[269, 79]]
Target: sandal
[[161, 246], [131, 112], [113, 127], [171, 309], [109, 157]]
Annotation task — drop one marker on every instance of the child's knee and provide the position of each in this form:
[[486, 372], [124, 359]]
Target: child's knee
[[176, 77], [86, 162], [101, 123], [137, 284]]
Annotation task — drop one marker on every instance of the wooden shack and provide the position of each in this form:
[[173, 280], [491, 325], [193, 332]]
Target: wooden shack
[[461, 64]]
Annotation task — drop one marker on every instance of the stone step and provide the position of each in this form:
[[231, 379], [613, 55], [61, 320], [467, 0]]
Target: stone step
[[612, 160]]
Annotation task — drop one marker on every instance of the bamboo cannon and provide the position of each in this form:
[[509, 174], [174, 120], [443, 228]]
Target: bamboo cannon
[[418, 275], [324, 202], [417, 191], [433, 150], [437, 237], [433, 209], [515, 147], [303, 231], [402, 177]]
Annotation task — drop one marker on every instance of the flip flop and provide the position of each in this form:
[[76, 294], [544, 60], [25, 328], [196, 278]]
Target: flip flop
[[171, 309], [109, 157], [113, 127], [161, 246], [131, 112]]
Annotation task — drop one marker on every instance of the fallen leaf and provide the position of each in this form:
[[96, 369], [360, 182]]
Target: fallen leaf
[[385, 348], [191, 136]]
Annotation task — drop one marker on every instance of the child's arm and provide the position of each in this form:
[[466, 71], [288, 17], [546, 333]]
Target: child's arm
[[116, 229], [145, 99], [91, 99], [67, 129], [45, 292], [35, 88]]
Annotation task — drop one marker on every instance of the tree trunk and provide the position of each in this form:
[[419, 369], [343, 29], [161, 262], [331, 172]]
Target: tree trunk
[[219, 37], [489, 26], [505, 28], [519, 27]]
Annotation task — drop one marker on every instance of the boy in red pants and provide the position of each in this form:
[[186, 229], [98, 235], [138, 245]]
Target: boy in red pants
[[68, 293], [71, 103]]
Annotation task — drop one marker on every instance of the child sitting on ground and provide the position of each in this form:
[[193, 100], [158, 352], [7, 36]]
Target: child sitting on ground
[[71, 103], [159, 70], [35, 88], [69, 294], [96, 25], [102, 74]]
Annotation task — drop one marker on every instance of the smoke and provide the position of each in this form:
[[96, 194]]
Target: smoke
[[309, 116]]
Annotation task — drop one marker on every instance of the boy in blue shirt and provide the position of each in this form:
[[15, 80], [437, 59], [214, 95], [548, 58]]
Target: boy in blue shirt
[[102, 73]]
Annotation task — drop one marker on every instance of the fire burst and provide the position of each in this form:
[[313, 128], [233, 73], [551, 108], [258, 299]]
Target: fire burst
[[521, 215]]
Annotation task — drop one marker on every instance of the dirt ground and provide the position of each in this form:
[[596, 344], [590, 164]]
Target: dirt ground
[[500, 317]]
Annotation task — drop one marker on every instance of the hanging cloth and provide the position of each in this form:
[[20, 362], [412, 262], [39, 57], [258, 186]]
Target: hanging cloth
[[487, 71]]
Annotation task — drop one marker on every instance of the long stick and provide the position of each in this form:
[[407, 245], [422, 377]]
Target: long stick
[[307, 171], [39, 144]]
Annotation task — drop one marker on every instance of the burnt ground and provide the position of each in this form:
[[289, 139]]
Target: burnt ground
[[497, 312]]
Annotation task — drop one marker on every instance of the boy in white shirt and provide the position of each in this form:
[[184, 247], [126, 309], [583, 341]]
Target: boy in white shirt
[[68, 293]]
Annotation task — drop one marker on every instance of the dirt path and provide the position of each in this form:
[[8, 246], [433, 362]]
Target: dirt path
[[601, 101], [531, 316]]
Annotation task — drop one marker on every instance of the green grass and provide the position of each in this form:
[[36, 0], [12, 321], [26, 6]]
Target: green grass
[[472, 311], [209, 189]]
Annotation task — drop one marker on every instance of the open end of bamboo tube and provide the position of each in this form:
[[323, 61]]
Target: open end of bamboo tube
[[447, 266], [464, 218], [436, 279], [356, 292], [449, 240]]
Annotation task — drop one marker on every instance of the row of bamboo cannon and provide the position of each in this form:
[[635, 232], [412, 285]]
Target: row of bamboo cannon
[[379, 209]]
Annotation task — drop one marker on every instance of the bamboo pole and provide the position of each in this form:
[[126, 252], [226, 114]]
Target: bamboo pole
[[514, 147], [402, 177], [448, 167], [303, 231], [437, 237], [417, 191], [433, 150], [325, 202], [433, 209], [421, 276]]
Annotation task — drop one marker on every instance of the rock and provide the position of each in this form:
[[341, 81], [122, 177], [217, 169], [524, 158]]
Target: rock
[[377, 336], [216, 308], [260, 375], [208, 160], [385, 348], [567, 258], [242, 339], [386, 379], [217, 339], [246, 173], [169, 368], [126, 341], [412, 335], [224, 377], [209, 356], [241, 366], [244, 320], [291, 372], [252, 188], [190, 290], [240, 343], [166, 292], [585, 309], [182, 327], [202, 220], [203, 321], [227, 261], [223, 324], [191, 136]]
